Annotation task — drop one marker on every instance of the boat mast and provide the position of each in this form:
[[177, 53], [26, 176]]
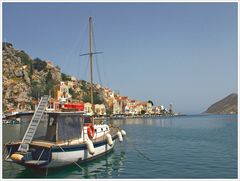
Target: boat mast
[[90, 54]]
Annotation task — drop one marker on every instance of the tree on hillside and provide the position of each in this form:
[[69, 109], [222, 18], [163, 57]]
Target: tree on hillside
[[73, 93], [65, 77], [96, 98], [39, 64], [143, 111], [150, 102], [25, 59], [49, 84], [37, 90]]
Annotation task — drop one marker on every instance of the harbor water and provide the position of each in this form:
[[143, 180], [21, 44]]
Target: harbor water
[[199, 146]]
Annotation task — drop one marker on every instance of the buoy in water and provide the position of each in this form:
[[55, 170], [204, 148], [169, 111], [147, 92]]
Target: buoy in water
[[120, 136], [109, 139], [123, 133], [90, 147]]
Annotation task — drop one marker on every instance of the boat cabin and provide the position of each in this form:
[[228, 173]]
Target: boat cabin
[[63, 127]]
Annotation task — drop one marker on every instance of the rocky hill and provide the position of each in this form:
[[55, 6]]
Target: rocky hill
[[228, 105], [26, 79]]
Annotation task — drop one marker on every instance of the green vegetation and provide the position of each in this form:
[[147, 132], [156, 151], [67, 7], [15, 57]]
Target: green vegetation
[[25, 59], [37, 90], [73, 93], [30, 73], [109, 111], [39, 64], [84, 86], [143, 111], [49, 84], [65, 77], [86, 98], [96, 98]]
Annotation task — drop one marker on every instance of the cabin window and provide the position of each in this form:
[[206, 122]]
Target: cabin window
[[69, 127], [51, 130], [51, 121]]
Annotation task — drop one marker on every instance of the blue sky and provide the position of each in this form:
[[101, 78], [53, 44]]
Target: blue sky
[[179, 53]]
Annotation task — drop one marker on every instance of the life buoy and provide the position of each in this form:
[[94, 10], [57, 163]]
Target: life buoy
[[90, 131]]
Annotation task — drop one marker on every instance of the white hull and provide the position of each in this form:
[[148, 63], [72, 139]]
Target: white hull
[[69, 157]]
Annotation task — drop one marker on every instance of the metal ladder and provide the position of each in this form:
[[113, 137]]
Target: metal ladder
[[32, 127]]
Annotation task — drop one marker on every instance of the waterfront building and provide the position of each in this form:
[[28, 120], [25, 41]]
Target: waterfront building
[[149, 108], [126, 110], [88, 108], [123, 102], [131, 104], [119, 104], [70, 84], [132, 110], [53, 105], [161, 108], [138, 109], [116, 106], [156, 110], [100, 109], [62, 93]]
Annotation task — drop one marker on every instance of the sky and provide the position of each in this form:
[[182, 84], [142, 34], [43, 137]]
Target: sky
[[179, 53]]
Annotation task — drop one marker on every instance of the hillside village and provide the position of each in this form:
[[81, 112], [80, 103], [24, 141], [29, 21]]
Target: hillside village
[[25, 80], [114, 102]]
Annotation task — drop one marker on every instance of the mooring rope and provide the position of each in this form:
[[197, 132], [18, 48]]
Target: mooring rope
[[138, 151]]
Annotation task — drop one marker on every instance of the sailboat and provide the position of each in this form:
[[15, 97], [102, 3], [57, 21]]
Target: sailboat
[[70, 137]]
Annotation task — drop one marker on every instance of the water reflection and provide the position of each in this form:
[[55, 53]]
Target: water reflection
[[105, 167], [158, 121]]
